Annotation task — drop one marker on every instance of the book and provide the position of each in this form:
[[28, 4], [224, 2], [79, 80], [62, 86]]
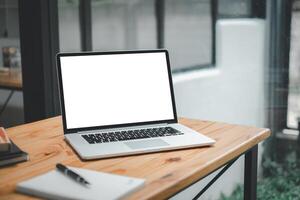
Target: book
[[4, 140], [13, 155], [56, 185]]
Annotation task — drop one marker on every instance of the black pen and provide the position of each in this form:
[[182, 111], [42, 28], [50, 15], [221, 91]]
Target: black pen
[[76, 177]]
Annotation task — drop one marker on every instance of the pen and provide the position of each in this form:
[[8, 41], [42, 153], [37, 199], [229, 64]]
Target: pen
[[76, 177]]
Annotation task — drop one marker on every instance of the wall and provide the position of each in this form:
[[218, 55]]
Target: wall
[[232, 91]]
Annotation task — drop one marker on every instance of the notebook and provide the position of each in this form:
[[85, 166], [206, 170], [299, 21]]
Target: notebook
[[12, 156], [55, 185], [4, 140]]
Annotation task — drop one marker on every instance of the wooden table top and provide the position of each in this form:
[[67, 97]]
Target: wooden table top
[[11, 79], [166, 173]]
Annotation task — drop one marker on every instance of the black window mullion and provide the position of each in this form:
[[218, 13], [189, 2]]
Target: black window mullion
[[214, 17], [258, 8], [160, 22], [85, 18], [279, 64]]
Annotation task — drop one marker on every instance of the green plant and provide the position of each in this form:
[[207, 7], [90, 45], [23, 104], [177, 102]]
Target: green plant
[[281, 181]]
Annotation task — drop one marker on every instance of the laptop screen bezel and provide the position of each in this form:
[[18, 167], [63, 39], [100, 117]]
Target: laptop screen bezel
[[61, 91]]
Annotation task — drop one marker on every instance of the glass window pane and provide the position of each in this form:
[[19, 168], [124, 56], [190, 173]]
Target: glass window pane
[[12, 113], [69, 30], [118, 24], [11, 17], [9, 34], [294, 72], [188, 32], [234, 8]]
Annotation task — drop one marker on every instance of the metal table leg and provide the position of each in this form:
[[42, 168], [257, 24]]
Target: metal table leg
[[250, 174], [6, 101]]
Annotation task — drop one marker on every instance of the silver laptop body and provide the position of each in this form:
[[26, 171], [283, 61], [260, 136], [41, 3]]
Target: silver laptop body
[[121, 103]]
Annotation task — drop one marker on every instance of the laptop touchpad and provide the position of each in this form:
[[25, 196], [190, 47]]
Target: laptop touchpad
[[146, 144]]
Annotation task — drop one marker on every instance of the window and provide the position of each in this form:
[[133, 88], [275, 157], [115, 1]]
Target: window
[[188, 33], [234, 8], [185, 28], [69, 30], [294, 71], [11, 104], [9, 18], [9, 34], [119, 25]]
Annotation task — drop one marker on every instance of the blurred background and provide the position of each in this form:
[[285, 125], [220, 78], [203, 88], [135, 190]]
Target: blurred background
[[236, 61]]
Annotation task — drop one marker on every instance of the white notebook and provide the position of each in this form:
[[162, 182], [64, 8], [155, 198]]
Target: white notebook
[[55, 185]]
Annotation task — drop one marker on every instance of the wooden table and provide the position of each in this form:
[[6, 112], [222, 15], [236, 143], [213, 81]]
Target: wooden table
[[10, 80], [166, 173]]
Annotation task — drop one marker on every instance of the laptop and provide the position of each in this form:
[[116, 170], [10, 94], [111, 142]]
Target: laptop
[[121, 103]]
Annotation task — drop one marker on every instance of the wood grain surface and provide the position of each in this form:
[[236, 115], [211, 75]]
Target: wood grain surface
[[166, 173], [11, 79]]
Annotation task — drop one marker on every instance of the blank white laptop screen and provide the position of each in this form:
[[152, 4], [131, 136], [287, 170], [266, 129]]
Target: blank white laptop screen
[[115, 89]]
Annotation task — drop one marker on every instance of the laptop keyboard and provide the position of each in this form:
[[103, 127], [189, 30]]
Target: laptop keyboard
[[130, 135]]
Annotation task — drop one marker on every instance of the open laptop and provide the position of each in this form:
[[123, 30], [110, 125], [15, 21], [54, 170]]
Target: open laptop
[[121, 103]]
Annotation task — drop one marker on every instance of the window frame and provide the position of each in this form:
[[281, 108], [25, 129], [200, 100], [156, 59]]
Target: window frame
[[86, 30], [43, 80], [278, 74], [288, 34], [258, 10]]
